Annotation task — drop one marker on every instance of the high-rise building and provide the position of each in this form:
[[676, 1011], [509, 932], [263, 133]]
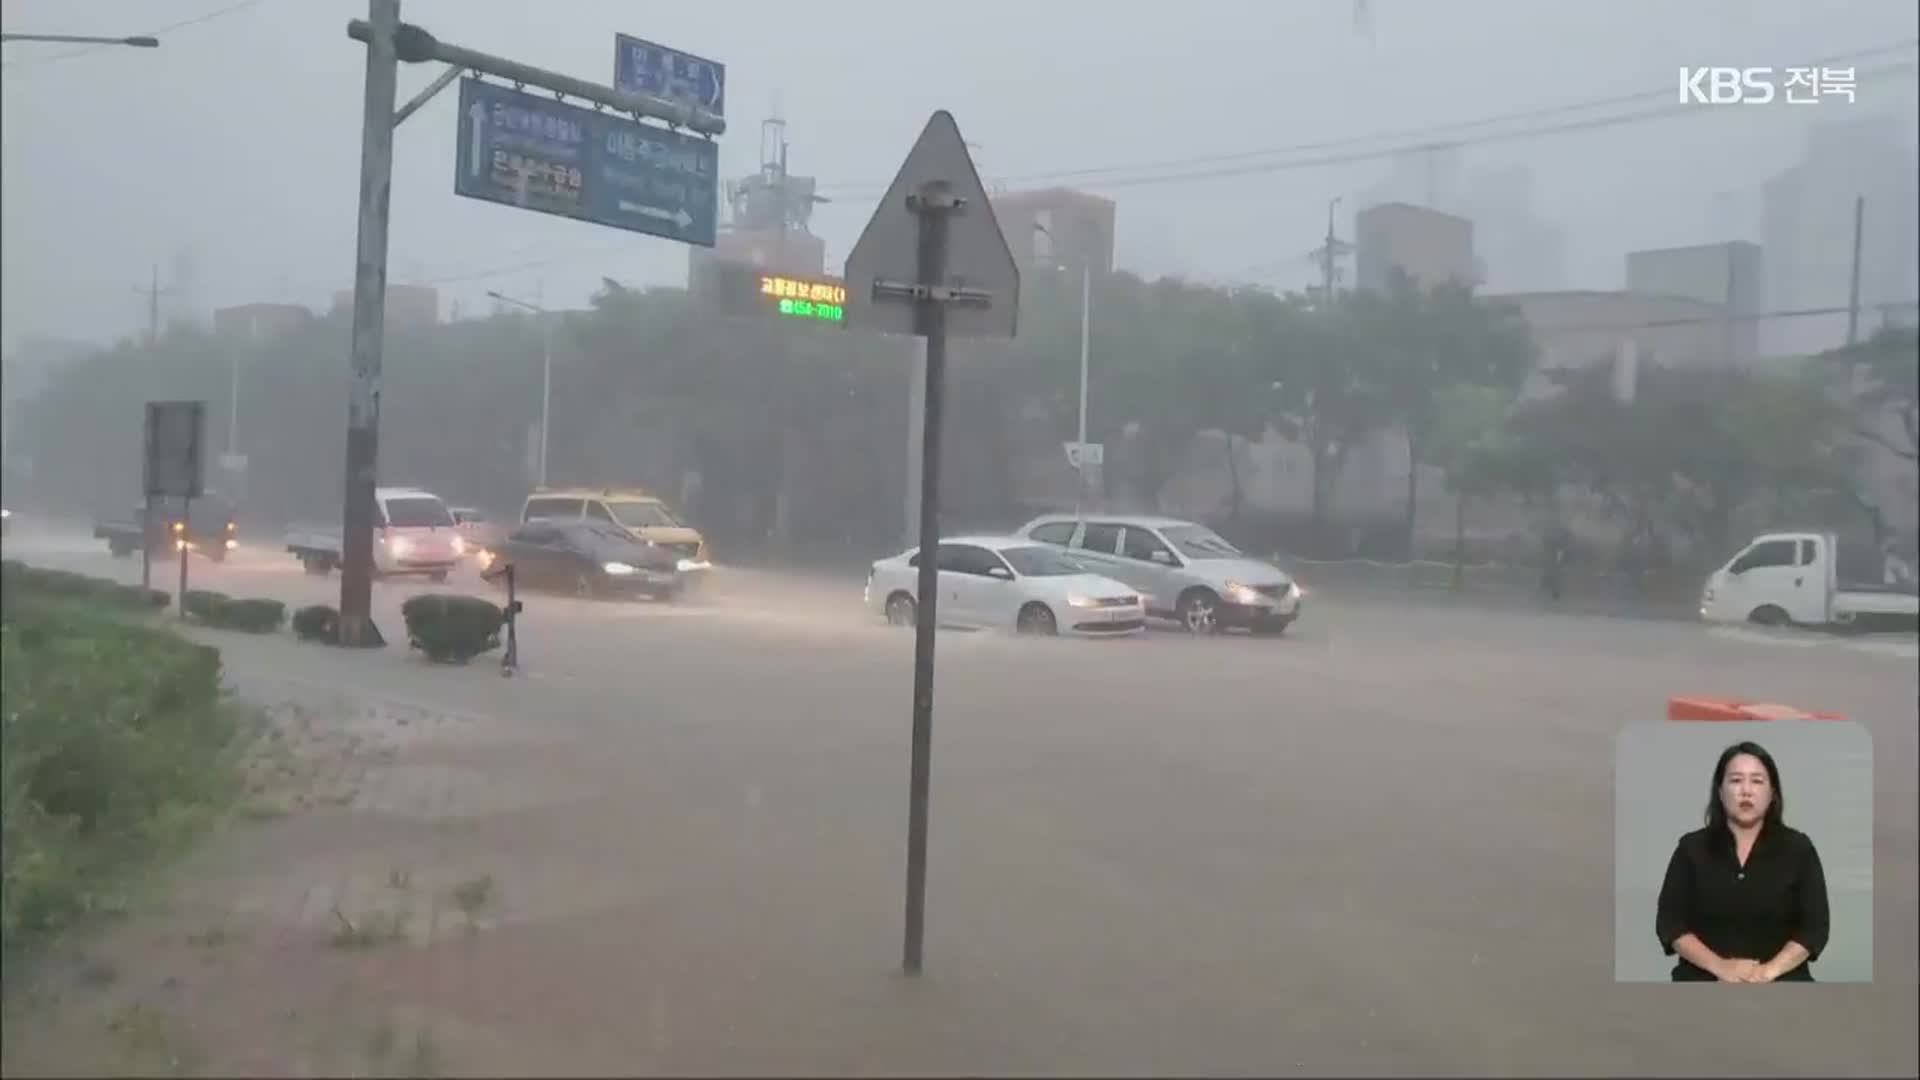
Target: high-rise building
[[1429, 246], [1808, 227], [768, 217], [1730, 276]]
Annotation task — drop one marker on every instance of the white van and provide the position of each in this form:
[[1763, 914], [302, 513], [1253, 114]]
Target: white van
[[413, 533], [1794, 579]]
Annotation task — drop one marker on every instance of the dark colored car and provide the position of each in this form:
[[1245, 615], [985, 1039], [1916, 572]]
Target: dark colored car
[[584, 558]]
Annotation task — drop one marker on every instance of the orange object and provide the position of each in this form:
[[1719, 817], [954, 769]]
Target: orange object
[[1712, 708]]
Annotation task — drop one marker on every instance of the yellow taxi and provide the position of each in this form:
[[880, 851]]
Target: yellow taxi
[[645, 516]]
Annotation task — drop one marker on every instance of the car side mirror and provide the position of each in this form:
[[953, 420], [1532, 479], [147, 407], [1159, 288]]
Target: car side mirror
[[1164, 558], [1737, 569], [1000, 573]]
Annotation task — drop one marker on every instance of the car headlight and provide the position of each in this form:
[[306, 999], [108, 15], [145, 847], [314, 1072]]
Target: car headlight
[[399, 546], [459, 546], [485, 558], [1077, 600], [1241, 594], [617, 568], [232, 544], [689, 565]]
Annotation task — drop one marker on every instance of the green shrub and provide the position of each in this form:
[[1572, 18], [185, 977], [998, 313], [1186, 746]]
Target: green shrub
[[116, 745], [317, 622], [251, 616], [450, 628], [205, 605]]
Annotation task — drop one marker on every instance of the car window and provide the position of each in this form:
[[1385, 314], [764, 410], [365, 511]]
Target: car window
[[1199, 542], [1770, 553], [417, 511], [1054, 532], [597, 511], [551, 509], [642, 513], [1806, 553], [1037, 561], [968, 559], [535, 534], [1140, 544], [1100, 537]]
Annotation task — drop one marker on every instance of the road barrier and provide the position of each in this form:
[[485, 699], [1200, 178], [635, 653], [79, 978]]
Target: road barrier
[[1717, 709]]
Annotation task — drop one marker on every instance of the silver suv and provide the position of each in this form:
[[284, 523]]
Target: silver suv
[[1183, 570]]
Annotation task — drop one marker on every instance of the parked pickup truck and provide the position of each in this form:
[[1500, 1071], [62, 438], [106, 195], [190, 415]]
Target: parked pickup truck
[[207, 528], [1796, 579], [413, 533]]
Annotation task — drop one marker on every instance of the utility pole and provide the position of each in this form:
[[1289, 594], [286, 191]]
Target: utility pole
[[369, 324], [538, 307], [153, 292], [1327, 255], [1853, 285]]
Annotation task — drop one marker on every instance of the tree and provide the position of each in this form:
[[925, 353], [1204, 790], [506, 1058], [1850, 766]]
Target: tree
[[1881, 378], [1423, 341], [1467, 437]]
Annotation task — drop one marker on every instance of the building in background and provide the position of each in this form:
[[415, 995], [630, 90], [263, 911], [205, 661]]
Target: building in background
[[1057, 227], [768, 221], [1431, 247], [258, 322], [1731, 277], [408, 306], [1516, 248], [1807, 229]]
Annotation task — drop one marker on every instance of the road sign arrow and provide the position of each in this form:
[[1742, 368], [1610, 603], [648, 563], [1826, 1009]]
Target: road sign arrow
[[678, 215], [478, 113]]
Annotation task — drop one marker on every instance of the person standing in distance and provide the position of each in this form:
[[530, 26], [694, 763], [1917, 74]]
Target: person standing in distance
[[1745, 899]]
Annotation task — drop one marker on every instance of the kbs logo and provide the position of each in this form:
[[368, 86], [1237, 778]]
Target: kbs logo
[[1726, 86], [1758, 86]]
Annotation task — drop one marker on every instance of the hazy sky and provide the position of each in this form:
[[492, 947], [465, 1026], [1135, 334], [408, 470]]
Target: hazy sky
[[229, 156]]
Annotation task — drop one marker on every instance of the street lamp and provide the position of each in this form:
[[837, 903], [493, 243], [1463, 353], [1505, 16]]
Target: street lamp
[[1086, 309], [140, 41], [546, 367]]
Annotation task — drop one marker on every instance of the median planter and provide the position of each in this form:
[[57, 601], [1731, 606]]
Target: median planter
[[204, 604], [251, 616], [452, 629], [317, 622]]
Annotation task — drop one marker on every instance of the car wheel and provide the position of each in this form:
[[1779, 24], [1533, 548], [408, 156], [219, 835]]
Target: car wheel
[[1037, 619], [1199, 611], [901, 610], [1769, 615]]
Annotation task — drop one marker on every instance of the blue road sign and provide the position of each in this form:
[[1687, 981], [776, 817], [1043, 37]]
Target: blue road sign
[[641, 67], [539, 154]]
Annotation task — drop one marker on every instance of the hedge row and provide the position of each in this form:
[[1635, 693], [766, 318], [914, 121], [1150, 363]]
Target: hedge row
[[224, 612], [18, 580], [116, 747]]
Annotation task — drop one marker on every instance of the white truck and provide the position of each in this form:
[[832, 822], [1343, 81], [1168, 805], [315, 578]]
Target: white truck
[[1795, 579], [413, 533]]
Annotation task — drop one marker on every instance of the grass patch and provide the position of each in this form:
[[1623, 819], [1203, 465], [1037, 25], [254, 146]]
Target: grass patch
[[117, 750], [373, 930]]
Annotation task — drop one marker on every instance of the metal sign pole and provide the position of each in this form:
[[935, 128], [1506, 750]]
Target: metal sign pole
[[146, 544], [186, 515], [932, 203]]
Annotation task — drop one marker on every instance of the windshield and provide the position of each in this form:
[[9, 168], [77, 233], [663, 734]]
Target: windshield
[[1200, 542], [640, 515], [417, 512], [601, 532], [1041, 562]]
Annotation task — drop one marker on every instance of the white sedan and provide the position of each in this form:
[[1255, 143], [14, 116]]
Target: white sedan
[[1007, 583]]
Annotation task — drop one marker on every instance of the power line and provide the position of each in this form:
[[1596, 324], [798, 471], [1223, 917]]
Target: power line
[[169, 28], [1423, 135]]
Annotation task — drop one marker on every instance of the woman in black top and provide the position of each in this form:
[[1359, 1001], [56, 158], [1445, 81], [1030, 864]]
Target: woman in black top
[[1744, 900]]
